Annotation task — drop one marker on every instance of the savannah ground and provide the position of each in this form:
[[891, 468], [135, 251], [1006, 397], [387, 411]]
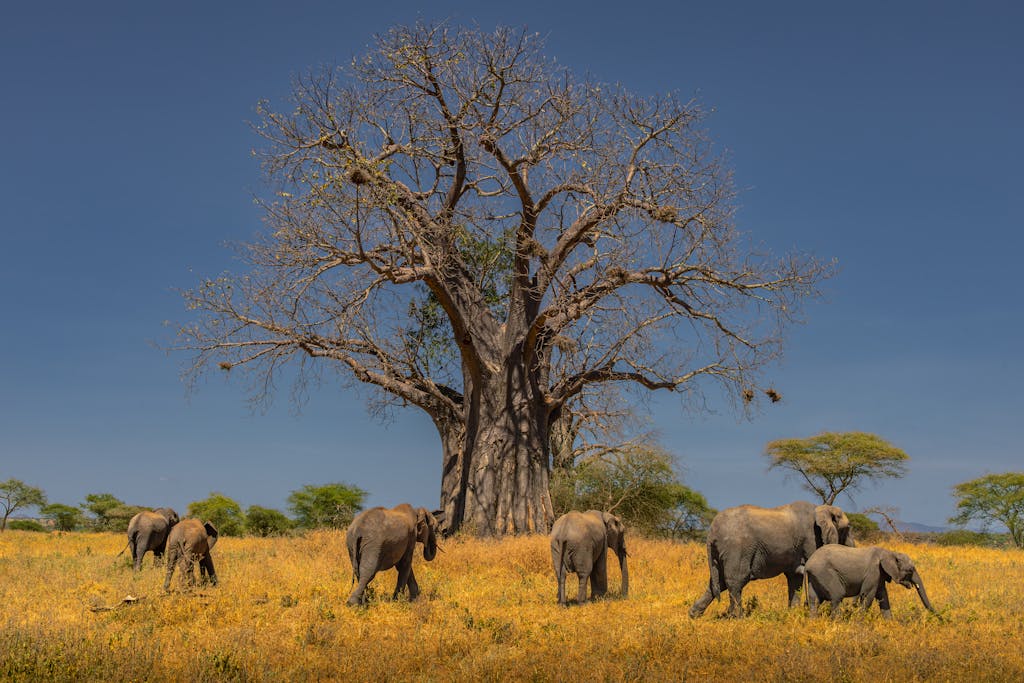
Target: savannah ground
[[487, 612]]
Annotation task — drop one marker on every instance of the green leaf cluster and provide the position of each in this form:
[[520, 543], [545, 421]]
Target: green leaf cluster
[[223, 512], [832, 463], [638, 484], [993, 498], [331, 505]]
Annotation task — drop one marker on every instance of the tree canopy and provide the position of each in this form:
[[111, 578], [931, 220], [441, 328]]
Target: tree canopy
[[109, 513], [223, 512], [16, 494], [261, 521], [477, 231], [331, 505], [65, 517], [832, 463], [993, 498], [639, 484]]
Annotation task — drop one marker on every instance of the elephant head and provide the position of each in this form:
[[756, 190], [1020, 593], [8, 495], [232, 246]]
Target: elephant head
[[832, 525], [900, 568], [615, 532], [169, 514], [426, 532]]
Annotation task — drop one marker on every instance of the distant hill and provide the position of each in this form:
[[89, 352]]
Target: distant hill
[[915, 527]]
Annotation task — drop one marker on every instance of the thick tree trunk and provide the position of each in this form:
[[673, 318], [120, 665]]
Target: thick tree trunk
[[503, 470], [452, 431]]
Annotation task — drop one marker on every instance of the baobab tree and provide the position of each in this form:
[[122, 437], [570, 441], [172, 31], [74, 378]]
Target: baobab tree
[[478, 232]]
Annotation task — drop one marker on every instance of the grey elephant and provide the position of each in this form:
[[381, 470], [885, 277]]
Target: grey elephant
[[191, 541], [580, 543], [380, 539], [835, 572], [748, 542], [148, 531]]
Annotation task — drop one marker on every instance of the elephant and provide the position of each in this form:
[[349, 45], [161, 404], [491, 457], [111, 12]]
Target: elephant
[[148, 531], [380, 539], [580, 543], [835, 572], [749, 542], [191, 540]]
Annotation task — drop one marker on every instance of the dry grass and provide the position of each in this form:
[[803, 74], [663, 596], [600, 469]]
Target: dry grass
[[487, 612]]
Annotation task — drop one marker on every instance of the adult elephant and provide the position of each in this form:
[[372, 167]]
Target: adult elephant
[[835, 572], [748, 542], [148, 531], [380, 539], [580, 543], [191, 541]]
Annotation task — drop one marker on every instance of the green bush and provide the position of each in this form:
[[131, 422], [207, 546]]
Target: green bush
[[975, 538], [223, 512], [26, 525], [261, 521]]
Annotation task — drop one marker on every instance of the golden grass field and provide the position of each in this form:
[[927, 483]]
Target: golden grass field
[[488, 612]]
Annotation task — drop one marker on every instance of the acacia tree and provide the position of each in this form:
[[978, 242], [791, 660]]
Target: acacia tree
[[832, 463], [993, 498], [549, 232], [15, 494]]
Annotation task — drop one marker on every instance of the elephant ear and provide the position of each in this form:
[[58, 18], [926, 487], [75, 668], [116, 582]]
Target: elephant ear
[[211, 533], [422, 524], [823, 518], [890, 565]]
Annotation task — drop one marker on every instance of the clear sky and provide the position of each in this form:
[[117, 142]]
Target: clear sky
[[886, 135]]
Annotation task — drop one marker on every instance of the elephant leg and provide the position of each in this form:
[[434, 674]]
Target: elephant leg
[[581, 595], [835, 606], [599, 576], [188, 571], [701, 604], [172, 561], [139, 545], [560, 578], [365, 572], [812, 600], [206, 569], [404, 570], [736, 600], [794, 582], [414, 588], [158, 558], [883, 601]]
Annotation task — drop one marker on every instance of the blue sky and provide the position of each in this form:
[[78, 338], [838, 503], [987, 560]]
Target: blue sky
[[886, 135]]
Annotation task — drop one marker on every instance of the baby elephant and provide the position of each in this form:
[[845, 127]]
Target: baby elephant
[[579, 543], [835, 572], [189, 541]]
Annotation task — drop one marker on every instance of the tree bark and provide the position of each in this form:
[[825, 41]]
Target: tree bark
[[505, 471]]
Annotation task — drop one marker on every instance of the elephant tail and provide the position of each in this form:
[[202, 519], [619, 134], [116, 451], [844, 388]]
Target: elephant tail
[[126, 546], [558, 555]]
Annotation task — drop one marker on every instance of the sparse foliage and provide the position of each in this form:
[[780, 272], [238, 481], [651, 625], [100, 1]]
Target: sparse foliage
[[478, 232], [993, 498], [331, 505], [16, 494], [832, 463], [223, 512]]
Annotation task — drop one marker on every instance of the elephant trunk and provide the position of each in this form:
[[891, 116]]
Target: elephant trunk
[[919, 584], [624, 568], [430, 547]]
